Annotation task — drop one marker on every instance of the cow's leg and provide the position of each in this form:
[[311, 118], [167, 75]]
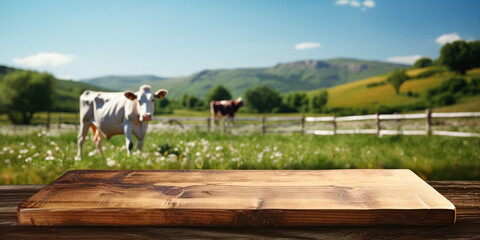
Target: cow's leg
[[127, 127], [84, 125], [139, 144], [98, 141]]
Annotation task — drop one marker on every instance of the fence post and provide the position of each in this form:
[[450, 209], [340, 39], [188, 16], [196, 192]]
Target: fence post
[[59, 121], [75, 122], [379, 127], [302, 124], [334, 122], [263, 125], [428, 112], [208, 124], [48, 120]]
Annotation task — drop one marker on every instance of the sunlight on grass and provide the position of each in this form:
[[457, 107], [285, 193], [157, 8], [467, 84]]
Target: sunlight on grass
[[39, 158]]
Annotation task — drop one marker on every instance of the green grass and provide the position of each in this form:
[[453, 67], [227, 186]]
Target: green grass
[[39, 158]]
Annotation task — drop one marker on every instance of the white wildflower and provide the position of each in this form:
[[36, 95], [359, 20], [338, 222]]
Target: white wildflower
[[28, 159], [49, 152], [77, 158], [23, 151], [33, 147], [49, 158], [35, 155], [91, 153], [11, 151], [337, 149], [198, 154], [7, 160], [110, 162], [57, 148], [20, 156], [219, 148]]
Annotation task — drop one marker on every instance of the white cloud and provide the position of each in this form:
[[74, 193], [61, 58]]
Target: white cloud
[[369, 3], [45, 59], [404, 59], [342, 2], [307, 45], [448, 38], [355, 3], [65, 77]]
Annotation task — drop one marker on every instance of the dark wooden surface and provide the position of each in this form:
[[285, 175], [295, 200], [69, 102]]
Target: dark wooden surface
[[465, 195], [229, 198]]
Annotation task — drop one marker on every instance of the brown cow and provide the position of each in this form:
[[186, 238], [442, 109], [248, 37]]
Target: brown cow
[[225, 109]]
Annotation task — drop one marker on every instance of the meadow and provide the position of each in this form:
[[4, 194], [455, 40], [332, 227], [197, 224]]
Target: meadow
[[39, 157]]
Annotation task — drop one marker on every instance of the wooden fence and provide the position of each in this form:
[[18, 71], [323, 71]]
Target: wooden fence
[[265, 123], [303, 124]]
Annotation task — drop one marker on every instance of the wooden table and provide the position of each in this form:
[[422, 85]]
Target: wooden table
[[465, 195]]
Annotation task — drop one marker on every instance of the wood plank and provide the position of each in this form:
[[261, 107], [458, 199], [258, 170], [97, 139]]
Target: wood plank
[[465, 195], [237, 198]]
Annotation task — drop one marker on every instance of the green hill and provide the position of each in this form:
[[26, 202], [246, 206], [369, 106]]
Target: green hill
[[66, 94], [133, 82], [284, 77], [371, 93]]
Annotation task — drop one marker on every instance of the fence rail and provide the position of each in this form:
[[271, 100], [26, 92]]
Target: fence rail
[[305, 124], [267, 126]]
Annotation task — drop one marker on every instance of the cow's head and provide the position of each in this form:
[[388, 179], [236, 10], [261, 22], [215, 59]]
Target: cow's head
[[144, 99], [239, 102]]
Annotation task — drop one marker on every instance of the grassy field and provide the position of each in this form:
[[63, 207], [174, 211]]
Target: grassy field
[[39, 157], [358, 94]]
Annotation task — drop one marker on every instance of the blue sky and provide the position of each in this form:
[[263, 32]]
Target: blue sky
[[82, 39]]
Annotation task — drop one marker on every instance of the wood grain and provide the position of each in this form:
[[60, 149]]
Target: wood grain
[[237, 198], [465, 195]]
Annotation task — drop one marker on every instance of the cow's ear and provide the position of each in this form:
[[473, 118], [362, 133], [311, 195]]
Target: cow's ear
[[161, 93], [130, 95]]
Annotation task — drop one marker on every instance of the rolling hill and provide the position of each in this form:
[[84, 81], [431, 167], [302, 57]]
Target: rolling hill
[[373, 92], [118, 83], [284, 77]]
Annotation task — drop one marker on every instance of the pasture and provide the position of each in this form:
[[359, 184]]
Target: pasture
[[39, 157]]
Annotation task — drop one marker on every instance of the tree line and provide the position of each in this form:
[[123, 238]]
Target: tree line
[[261, 99]]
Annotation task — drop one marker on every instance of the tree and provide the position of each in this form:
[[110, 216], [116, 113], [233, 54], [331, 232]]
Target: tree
[[318, 101], [397, 78], [218, 93], [457, 56], [296, 101], [423, 62], [25, 92], [262, 99], [190, 101], [475, 48]]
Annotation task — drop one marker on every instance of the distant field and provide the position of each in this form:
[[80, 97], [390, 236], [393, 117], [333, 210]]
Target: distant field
[[358, 94], [39, 158]]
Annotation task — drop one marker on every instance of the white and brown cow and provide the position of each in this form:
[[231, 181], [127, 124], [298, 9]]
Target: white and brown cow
[[224, 109], [112, 113]]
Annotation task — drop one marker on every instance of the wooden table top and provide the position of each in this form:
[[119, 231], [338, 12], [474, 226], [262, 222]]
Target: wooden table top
[[230, 198], [465, 195]]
